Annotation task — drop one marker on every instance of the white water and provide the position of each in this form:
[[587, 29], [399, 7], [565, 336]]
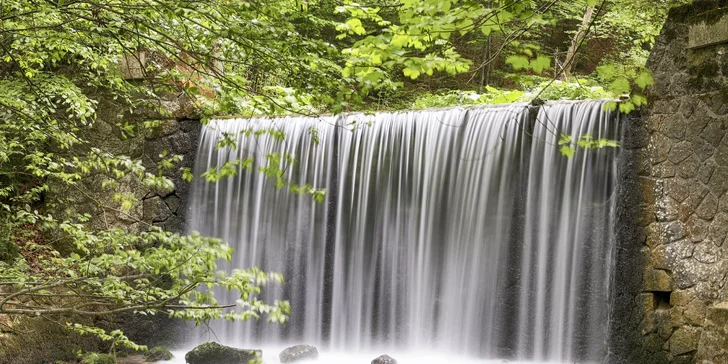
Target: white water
[[458, 231], [270, 355]]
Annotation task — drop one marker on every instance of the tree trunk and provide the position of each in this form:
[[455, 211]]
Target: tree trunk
[[578, 38]]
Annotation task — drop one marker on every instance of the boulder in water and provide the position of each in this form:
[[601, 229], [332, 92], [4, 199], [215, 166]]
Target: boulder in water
[[384, 359], [158, 353], [214, 353], [298, 353]]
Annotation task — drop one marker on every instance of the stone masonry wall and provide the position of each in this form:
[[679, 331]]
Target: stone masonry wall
[[671, 278], [175, 133]]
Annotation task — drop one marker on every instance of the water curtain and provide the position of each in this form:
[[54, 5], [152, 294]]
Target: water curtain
[[465, 230]]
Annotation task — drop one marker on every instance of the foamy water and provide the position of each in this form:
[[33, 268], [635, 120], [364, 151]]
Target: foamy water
[[270, 356]]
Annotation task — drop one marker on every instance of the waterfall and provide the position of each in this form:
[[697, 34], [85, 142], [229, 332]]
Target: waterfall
[[461, 230]]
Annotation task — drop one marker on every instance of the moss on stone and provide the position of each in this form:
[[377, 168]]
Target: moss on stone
[[704, 70], [96, 358], [158, 353], [214, 353], [709, 11]]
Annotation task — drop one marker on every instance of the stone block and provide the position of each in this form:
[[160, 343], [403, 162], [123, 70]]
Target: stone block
[[703, 149], [684, 340], [713, 345], [664, 323], [677, 316], [666, 210], [133, 65], [708, 207], [677, 188], [155, 210], [183, 143], [681, 297], [697, 229], [673, 127], [706, 171], [645, 214], [689, 167], [667, 256], [713, 132], [172, 202], [718, 229], [704, 34], [721, 153], [653, 343], [695, 312], [162, 128], [718, 183], [659, 148], [706, 252], [654, 235], [674, 231], [679, 152], [657, 280], [723, 203]]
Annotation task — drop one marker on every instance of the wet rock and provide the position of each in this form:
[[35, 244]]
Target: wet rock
[[384, 359], [214, 353], [158, 353], [298, 353]]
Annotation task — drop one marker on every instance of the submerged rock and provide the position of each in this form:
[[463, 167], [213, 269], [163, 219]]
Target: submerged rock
[[298, 353], [384, 359], [158, 353], [214, 353]]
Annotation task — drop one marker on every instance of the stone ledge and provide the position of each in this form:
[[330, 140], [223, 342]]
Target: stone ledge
[[705, 34]]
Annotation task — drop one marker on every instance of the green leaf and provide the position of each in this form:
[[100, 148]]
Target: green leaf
[[187, 175], [644, 79], [638, 99], [517, 62], [619, 86], [567, 151], [411, 72], [540, 63], [610, 106], [355, 26], [626, 107]]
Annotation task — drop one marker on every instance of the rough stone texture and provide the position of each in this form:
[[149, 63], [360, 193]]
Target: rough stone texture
[[704, 33], [214, 353], [298, 353], [670, 303], [713, 347], [384, 359]]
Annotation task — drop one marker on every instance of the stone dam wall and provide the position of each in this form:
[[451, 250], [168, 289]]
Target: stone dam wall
[[670, 301]]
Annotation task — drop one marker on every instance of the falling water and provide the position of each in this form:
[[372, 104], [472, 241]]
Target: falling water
[[461, 230]]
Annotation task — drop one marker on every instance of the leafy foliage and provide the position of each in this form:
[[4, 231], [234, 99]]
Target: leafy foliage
[[567, 144], [459, 98], [58, 60]]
